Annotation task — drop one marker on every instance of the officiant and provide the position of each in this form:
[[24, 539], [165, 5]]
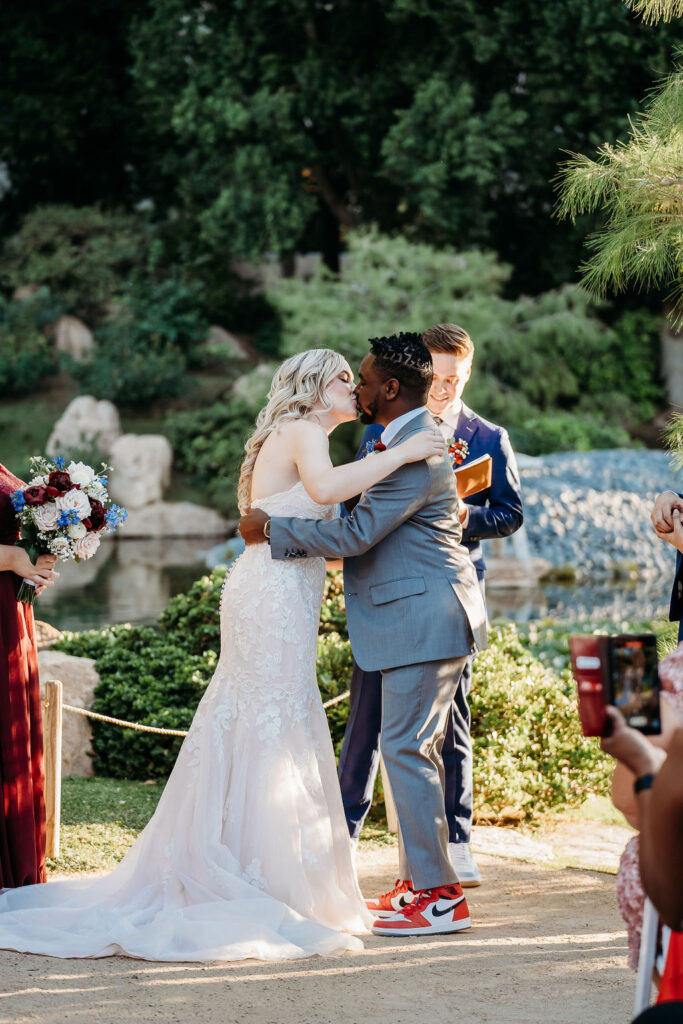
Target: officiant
[[495, 511]]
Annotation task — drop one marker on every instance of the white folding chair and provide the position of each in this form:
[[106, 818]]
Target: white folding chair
[[647, 956]]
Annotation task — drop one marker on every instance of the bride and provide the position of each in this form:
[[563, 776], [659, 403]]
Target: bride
[[247, 854]]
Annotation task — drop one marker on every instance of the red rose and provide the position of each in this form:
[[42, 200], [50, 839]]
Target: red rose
[[97, 517], [379, 447], [35, 495], [58, 481]]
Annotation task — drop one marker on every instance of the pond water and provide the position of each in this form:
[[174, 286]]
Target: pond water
[[132, 581]]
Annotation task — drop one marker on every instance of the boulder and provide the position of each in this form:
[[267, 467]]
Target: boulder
[[255, 385], [24, 292], [45, 634], [220, 342], [141, 469], [73, 337], [79, 679], [174, 519], [85, 423]]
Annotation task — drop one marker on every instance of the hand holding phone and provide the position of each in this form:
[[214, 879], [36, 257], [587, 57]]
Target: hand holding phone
[[619, 670]]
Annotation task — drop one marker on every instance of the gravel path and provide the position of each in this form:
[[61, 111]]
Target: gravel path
[[546, 945]]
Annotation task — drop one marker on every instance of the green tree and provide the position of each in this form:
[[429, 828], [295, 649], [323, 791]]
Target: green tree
[[638, 186], [283, 123]]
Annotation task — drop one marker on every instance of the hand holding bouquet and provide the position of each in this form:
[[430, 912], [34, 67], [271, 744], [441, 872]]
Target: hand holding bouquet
[[63, 512]]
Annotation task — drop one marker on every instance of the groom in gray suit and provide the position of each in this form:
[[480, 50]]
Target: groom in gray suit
[[415, 613]]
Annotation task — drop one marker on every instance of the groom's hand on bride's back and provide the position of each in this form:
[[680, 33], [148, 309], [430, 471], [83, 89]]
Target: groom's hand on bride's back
[[251, 526]]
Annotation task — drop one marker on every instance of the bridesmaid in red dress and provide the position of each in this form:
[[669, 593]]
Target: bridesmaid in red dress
[[22, 810]]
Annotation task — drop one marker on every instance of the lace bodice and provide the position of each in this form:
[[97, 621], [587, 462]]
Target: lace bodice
[[295, 502]]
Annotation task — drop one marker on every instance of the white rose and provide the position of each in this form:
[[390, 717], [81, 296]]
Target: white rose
[[61, 547], [80, 473], [74, 500], [85, 547], [76, 531], [38, 481], [46, 516]]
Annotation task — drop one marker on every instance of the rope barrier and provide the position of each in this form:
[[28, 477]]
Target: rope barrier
[[162, 732]]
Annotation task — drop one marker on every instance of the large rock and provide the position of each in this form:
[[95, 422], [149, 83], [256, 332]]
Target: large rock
[[175, 519], [141, 469], [255, 385], [79, 679], [73, 337], [222, 343], [85, 423]]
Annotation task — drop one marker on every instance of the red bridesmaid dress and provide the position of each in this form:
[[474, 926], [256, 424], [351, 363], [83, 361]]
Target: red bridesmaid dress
[[22, 811]]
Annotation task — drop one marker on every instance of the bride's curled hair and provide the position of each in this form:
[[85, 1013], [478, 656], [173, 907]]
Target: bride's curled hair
[[299, 385]]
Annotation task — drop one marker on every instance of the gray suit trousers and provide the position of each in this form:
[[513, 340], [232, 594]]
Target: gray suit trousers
[[416, 700]]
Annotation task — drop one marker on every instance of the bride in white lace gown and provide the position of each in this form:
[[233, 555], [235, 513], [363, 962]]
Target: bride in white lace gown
[[248, 853]]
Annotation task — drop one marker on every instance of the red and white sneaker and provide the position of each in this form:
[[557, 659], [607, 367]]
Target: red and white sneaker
[[389, 903], [433, 912]]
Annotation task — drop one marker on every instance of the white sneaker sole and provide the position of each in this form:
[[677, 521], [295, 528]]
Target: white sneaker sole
[[469, 883], [436, 928]]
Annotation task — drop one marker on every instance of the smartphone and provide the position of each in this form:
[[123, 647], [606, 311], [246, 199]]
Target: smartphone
[[635, 681], [619, 670]]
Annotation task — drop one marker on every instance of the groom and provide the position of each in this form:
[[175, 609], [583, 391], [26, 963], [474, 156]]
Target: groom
[[415, 613]]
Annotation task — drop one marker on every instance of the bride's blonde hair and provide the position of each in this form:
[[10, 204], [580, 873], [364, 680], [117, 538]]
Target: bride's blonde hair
[[299, 385]]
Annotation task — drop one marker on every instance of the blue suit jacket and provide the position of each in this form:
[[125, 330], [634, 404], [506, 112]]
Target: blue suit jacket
[[497, 511]]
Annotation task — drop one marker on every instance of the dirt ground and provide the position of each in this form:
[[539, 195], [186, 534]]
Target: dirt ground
[[546, 945]]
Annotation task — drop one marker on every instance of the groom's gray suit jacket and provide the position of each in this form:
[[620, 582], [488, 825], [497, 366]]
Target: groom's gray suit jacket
[[411, 591]]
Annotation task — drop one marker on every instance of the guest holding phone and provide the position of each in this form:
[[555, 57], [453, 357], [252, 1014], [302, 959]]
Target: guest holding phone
[[22, 810], [658, 803]]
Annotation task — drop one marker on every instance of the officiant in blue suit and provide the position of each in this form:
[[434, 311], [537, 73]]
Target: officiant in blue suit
[[494, 512]]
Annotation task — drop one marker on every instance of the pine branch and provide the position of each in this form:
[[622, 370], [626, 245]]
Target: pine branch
[[653, 11]]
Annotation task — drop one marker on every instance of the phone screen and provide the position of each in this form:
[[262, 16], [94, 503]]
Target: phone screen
[[635, 683]]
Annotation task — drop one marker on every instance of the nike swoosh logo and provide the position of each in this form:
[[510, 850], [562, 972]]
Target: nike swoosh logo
[[403, 902], [442, 913]]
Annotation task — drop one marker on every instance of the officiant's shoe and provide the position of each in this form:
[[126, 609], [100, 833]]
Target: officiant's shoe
[[389, 903], [464, 865], [433, 912]]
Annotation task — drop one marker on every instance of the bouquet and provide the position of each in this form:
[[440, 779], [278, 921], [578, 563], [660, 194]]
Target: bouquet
[[63, 512]]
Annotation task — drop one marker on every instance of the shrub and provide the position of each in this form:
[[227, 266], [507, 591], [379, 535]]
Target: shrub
[[146, 346], [209, 446], [529, 751], [82, 254], [26, 354], [566, 432], [536, 356]]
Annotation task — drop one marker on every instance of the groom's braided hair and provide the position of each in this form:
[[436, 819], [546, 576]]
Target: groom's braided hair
[[405, 358]]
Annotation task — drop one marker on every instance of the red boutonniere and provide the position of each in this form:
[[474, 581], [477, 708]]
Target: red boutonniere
[[458, 450], [373, 446]]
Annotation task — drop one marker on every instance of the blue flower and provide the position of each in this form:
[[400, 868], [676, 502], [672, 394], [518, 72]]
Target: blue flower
[[68, 517], [115, 516], [102, 480], [59, 462], [18, 500]]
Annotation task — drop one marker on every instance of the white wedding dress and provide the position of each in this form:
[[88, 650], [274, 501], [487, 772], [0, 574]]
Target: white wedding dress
[[248, 853]]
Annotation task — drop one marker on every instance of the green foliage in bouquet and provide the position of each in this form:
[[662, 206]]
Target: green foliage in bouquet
[[529, 752], [535, 357], [84, 255], [26, 353]]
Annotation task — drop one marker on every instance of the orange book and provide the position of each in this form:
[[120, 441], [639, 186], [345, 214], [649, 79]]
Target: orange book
[[474, 476]]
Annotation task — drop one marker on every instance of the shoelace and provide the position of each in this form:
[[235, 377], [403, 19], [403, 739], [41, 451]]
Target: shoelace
[[422, 901], [401, 886]]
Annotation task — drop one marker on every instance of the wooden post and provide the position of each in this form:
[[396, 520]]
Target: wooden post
[[53, 764]]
